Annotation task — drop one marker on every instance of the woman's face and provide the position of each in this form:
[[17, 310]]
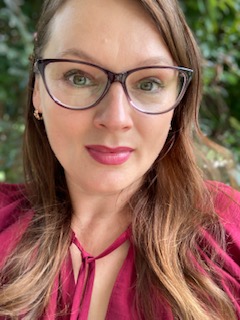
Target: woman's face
[[107, 148]]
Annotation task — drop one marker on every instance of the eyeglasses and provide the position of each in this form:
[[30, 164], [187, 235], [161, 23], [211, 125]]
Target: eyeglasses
[[79, 85]]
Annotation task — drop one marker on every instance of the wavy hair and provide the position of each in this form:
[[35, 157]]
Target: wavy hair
[[169, 211]]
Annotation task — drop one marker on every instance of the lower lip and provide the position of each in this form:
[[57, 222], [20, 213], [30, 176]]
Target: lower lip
[[109, 158]]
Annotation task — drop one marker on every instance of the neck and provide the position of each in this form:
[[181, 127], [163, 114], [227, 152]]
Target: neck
[[97, 217]]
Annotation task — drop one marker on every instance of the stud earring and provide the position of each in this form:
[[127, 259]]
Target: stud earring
[[37, 115]]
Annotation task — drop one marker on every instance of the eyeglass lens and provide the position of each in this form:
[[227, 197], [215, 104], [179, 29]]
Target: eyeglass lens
[[78, 86]]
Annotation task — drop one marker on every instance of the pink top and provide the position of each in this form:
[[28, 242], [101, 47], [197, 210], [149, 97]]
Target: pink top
[[88, 274], [15, 213]]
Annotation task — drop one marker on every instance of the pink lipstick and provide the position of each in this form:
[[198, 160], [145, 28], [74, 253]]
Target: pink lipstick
[[109, 156]]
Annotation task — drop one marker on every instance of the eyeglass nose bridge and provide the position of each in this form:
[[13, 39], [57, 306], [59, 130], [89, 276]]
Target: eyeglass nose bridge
[[117, 77]]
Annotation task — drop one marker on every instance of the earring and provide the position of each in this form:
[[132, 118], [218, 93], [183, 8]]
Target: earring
[[37, 115]]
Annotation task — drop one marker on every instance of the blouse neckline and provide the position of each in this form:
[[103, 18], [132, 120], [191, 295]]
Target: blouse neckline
[[85, 280]]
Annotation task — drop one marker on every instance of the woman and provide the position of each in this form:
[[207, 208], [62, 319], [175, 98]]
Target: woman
[[115, 220]]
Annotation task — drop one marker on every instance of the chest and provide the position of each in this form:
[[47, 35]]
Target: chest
[[95, 280]]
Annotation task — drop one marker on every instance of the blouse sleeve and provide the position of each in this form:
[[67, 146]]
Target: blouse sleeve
[[227, 206], [15, 215]]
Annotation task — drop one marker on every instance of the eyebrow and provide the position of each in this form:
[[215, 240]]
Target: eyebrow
[[80, 54], [77, 53], [157, 60]]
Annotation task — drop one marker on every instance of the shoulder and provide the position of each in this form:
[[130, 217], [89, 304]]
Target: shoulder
[[11, 193], [226, 203], [13, 204], [227, 206], [15, 214]]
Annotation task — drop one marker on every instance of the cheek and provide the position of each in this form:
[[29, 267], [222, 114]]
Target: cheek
[[53, 123], [67, 131], [158, 142], [63, 138], [57, 123], [59, 127], [157, 132]]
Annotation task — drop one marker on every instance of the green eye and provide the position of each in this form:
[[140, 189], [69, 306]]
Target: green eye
[[147, 86], [150, 85], [77, 78]]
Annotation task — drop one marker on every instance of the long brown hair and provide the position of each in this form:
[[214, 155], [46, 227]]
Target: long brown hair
[[169, 210]]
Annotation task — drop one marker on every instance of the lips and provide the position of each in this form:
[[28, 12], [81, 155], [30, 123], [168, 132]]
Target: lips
[[109, 156]]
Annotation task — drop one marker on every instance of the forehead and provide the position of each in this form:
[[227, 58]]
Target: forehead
[[110, 32]]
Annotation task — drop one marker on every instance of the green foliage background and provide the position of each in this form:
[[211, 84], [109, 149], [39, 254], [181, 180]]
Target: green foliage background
[[216, 25]]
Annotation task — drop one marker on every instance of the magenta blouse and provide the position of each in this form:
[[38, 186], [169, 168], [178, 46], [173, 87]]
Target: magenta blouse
[[15, 214]]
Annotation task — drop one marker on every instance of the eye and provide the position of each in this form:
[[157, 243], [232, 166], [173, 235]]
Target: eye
[[150, 85], [78, 78]]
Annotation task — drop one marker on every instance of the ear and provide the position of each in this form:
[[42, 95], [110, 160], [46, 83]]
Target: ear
[[36, 98]]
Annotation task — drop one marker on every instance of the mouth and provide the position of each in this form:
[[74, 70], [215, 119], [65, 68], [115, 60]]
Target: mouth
[[109, 156]]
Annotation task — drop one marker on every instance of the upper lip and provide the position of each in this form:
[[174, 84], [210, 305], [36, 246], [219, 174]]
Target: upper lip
[[105, 149]]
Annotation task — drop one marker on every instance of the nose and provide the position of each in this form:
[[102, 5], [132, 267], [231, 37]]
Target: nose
[[114, 112]]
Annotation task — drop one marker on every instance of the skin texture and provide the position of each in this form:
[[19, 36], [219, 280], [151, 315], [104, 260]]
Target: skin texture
[[113, 122], [81, 31]]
